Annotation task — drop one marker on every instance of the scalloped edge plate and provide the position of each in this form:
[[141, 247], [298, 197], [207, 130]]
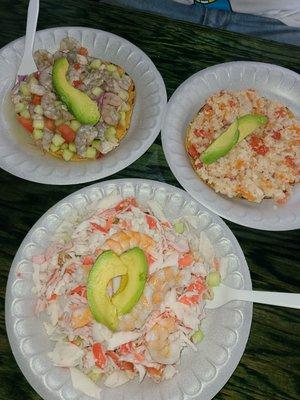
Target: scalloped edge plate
[[201, 374], [271, 81], [18, 154]]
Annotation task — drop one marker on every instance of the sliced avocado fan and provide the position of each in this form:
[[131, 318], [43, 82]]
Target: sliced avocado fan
[[79, 104]]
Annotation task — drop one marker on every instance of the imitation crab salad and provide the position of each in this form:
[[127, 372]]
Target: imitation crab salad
[[244, 145], [75, 106], [122, 291]]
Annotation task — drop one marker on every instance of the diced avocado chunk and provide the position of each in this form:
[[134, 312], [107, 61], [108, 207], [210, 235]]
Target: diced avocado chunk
[[110, 133], [179, 227], [249, 123], [91, 152], [213, 279], [79, 104], [107, 266], [222, 145], [137, 268], [67, 154], [38, 134], [198, 336], [58, 140]]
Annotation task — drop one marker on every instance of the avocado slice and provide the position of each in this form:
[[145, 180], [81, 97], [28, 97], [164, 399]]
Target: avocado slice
[[107, 266], [137, 268], [222, 145], [79, 104], [248, 123]]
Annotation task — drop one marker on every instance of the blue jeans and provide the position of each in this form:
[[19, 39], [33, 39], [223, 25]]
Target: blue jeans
[[266, 28]]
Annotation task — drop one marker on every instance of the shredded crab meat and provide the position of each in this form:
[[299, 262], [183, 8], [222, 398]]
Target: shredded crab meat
[[149, 340]]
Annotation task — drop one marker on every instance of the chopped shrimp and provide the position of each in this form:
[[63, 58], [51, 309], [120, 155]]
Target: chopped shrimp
[[125, 240]]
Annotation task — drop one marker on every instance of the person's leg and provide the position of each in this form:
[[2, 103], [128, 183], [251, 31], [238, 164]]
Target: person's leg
[[262, 27]]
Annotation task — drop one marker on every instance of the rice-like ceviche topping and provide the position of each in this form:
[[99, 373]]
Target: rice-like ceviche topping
[[266, 164], [53, 103], [182, 268]]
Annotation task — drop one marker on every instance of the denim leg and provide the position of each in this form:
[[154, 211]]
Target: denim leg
[[262, 27]]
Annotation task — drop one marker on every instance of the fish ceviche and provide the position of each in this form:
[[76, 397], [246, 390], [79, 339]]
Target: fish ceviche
[[123, 291], [75, 106]]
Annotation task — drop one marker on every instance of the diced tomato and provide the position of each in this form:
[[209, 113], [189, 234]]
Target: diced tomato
[[87, 260], [258, 146], [193, 151], [99, 355], [200, 133], [126, 348], [77, 83], [126, 203], [262, 150], [36, 99], [151, 222], [53, 297], [276, 135], [150, 258], [77, 66], [207, 109], [185, 260], [198, 164], [49, 124], [123, 365], [26, 122], [290, 161], [67, 133], [189, 300], [83, 51], [232, 103], [80, 290]]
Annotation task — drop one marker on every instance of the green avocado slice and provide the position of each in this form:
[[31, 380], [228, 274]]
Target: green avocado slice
[[107, 266], [137, 268], [79, 104], [222, 145], [249, 123]]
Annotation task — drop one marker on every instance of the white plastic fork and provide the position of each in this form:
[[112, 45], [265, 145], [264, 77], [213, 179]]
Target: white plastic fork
[[28, 65], [224, 294]]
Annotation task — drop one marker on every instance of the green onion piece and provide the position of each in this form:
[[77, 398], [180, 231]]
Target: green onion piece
[[198, 336], [213, 279]]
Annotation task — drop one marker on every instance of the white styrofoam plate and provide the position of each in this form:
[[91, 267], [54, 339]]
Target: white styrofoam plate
[[20, 157], [269, 80], [201, 374]]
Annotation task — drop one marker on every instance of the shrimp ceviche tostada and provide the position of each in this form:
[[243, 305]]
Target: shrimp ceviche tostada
[[75, 106], [122, 291], [247, 146]]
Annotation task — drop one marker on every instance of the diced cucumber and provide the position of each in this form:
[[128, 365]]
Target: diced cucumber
[[72, 147], [95, 64], [38, 123], [122, 118], [54, 148], [64, 146], [94, 374], [111, 68], [213, 278], [179, 227], [125, 107], [97, 91], [116, 75], [198, 336], [19, 107], [110, 133], [91, 152], [58, 122], [75, 125], [24, 89], [58, 140], [96, 144], [38, 134], [123, 94], [38, 109], [67, 154], [25, 114]]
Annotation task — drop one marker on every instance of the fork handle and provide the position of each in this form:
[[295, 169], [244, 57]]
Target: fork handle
[[273, 298], [32, 17]]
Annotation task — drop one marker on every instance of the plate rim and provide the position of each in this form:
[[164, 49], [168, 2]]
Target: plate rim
[[139, 152], [251, 224], [232, 363]]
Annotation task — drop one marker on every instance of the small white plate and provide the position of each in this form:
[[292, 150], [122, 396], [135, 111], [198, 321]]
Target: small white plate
[[201, 374], [19, 155], [269, 80]]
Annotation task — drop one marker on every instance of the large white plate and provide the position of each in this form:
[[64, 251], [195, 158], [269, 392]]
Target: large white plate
[[20, 157], [269, 80], [202, 374]]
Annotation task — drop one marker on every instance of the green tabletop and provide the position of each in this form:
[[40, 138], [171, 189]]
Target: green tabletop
[[268, 369]]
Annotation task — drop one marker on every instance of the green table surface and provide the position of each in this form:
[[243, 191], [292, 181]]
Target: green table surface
[[269, 368]]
